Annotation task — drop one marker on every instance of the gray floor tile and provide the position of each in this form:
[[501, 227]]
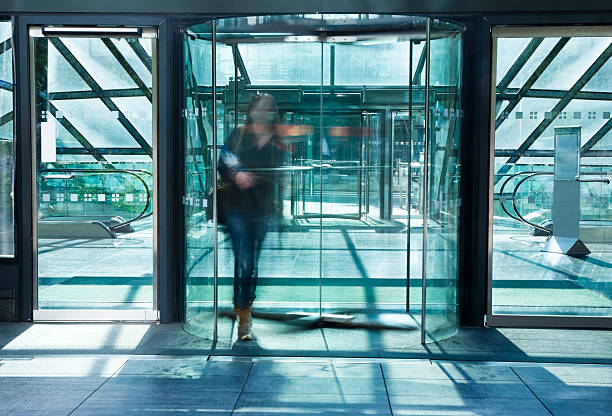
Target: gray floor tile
[[320, 369], [148, 384], [161, 402], [184, 367], [456, 388], [49, 400], [420, 405], [88, 366], [579, 407], [580, 391], [566, 373], [449, 371], [36, 412], [24, 385], [312, 385], [286, 403]]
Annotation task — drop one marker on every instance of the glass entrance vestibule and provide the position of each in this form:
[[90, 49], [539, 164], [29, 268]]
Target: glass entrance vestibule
[[328, 145]]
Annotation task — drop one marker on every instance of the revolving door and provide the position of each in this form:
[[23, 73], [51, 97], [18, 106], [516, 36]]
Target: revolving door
[[367, 120]]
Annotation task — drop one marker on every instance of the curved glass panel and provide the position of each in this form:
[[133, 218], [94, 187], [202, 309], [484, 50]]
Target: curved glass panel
[[197, 134], [328, 227], [446, 114]]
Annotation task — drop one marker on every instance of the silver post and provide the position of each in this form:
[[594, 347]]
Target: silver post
[[425, 185], [321, 189], [214, 176], [409, 184]]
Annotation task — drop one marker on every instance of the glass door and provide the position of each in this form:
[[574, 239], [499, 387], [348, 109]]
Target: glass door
[[328, 136], [441, 185], [93, 111]]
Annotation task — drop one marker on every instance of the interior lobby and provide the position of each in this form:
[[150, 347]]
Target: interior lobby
[[380, 207]]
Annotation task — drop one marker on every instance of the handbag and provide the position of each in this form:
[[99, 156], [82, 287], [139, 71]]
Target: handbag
[[224, 187]]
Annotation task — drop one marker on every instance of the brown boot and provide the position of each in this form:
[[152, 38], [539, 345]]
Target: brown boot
[[244, 324]]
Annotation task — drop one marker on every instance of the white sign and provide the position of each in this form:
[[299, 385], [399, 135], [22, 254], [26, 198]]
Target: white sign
[[48, 135]]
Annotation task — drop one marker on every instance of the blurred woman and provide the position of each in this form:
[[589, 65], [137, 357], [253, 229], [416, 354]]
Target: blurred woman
[[247, 162]]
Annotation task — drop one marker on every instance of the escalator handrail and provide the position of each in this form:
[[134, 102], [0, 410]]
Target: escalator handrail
[[501, 193], [134, 172], [516, 188]]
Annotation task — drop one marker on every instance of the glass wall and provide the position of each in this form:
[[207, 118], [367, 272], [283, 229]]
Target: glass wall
[[94, 139], [552, 168], [444, 170], [7, 244], [198, 122], [330, 132]]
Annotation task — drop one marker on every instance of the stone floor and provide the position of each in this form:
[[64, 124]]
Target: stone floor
[[159, 369], [222, 385]]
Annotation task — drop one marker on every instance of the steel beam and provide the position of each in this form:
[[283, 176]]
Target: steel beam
[[92, 83], [416, 80], [6, 45], [569, 95], [6, 118], [519, 63], [77, 135], [510, 94], [127, 67], [129, 151], [596, 138], [532, 79], [548, 153], [241, 65], [81, 95], [142, 54]]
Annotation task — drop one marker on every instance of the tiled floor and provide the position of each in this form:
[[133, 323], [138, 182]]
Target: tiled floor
[[222, 385], [354, 262]]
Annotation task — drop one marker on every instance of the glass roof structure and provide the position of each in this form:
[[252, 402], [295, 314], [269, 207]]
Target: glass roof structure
[[99, 91], [546, 82]]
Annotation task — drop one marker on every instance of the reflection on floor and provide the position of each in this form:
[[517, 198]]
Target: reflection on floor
[[196, 385], [529, 281], [97, 273]]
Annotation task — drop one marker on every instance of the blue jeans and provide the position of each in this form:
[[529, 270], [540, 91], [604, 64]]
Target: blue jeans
[[247, 232]]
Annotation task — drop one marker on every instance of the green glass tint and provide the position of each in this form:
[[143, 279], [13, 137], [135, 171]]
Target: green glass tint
[[444, 171], [93, 100], [343, 243], [198, 183], [7, 164], [543, 87]]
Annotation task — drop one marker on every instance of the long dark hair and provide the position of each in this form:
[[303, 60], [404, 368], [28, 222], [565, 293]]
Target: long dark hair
[[263, 110]]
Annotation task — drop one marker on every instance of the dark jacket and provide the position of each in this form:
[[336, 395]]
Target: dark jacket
[[240, 153]]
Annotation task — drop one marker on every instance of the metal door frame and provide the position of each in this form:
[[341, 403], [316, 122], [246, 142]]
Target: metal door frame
[[94, 314], [522, 320]]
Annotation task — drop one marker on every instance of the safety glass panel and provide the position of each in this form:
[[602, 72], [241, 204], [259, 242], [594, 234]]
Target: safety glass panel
[[551, 181]]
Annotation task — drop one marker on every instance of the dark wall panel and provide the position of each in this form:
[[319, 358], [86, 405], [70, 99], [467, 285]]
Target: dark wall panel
[[284, 6]]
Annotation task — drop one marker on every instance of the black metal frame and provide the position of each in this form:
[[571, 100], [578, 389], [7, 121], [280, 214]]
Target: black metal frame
[[168, 192], [475, 157], [514, 154]]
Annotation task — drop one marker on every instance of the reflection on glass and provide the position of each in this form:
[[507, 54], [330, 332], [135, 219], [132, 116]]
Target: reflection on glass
[[525, 279], [444, 172], [94, 173], [197, 133], [7, 165], [344, 247]]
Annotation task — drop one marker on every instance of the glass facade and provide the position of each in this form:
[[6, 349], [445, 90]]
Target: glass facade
[[553, 146], [94, 137], [7, 165], [329, 225]]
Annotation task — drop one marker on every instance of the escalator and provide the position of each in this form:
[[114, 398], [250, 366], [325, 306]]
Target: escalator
[[71, 207]]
